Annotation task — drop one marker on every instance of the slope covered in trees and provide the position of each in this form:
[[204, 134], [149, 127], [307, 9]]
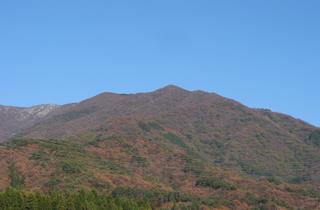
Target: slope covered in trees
[[172, 146], [12, 199]]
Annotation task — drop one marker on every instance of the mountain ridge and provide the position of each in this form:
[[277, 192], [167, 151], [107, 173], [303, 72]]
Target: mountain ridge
[[167, 88]]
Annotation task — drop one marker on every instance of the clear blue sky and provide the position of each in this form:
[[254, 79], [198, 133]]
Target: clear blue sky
[[263, 53]]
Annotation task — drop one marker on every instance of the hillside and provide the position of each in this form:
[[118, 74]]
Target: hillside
[[200, 147]]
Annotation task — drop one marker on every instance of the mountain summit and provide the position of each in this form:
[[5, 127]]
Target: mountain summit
[[172, 88]]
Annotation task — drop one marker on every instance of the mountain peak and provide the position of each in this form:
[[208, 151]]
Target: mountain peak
[[172, 88]]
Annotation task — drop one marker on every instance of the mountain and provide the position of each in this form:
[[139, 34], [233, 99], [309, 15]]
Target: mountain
[[172, 140]]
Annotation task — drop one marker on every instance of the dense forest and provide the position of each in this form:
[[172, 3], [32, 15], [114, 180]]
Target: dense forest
[[121, 198], [14, 199]]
